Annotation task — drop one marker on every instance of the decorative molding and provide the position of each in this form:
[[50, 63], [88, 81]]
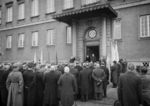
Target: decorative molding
[[131, 4], [26, 25]]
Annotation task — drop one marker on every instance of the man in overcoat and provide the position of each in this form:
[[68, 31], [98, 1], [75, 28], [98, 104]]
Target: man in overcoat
[[106, 79], [29, 85], [115, 74], [130, 88], [98, 75], [68, 87], [51, 87], [4, 71], [85, 79]]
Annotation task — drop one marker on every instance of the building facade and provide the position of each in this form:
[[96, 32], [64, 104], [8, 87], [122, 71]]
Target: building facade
[[55, 30]]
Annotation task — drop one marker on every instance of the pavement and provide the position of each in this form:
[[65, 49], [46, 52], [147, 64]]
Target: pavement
[[111, 97]]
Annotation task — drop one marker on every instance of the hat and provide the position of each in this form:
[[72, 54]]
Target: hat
[[66, 69]]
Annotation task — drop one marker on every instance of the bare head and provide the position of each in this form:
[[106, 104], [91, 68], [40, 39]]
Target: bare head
[[131, 67]]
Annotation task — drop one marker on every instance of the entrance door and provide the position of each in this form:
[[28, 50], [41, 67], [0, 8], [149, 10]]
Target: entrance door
[[93, 50]]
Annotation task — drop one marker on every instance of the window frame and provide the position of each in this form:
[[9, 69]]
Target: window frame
[[50, 38], [147, 26], [68, 40], [50, 10], [8, 42], [65, 7], [22, 17], [34, 12], [0, 15], [36, 40], [22, 39], [84, 2]]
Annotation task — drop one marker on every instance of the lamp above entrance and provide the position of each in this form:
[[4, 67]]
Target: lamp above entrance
[[84, 12]]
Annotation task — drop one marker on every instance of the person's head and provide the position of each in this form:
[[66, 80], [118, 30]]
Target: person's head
[[66, 69], [144, 70], [138, 69], [130, 67], [52, 68], [96, 65], [114, 62]]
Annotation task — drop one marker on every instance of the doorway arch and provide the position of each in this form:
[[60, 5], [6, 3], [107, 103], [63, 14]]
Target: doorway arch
[[92, 43]]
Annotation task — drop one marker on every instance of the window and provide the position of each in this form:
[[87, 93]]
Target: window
[[69, 35], [117, 29], [21, 40], [0, 16], [21, 11], [50, 36], [145, 26], [86, 2], [35, 8], [35, 39], [68, 4], [50, 6], [8, 42], [9, 14]]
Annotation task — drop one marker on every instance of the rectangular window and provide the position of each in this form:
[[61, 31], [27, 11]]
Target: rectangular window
[[86, 2], [50, 36], [35, 39], [50, 6], [69, 35], [21, 40], [0, 16], [21, 11], [8, 42], [34, 8], [145, 26], [117, 29], [68, 4], [9, 14]]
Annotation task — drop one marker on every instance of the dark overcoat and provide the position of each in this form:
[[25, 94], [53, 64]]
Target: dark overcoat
[[29, 87], [3, 90], [68, 88], [129, 89], [146, 88], [39, 88], [85, 79], [114, 74], [98, 74], [51, 88]]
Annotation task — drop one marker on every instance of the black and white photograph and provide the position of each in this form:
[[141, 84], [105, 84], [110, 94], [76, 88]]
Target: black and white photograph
[[74, 52]]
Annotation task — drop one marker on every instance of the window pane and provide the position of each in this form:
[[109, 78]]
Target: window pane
[[9, 14], [35, 7], [145, 26], [21, 11], [9, 41], [50, 6], [68, 4], [35, 39], [69, 35], [50, 37]]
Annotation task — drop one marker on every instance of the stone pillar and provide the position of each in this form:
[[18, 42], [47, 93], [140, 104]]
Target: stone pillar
[[74, 39], [104, 43]]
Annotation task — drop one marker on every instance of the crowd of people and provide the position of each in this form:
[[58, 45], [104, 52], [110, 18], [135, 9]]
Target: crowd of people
[[35, 84]]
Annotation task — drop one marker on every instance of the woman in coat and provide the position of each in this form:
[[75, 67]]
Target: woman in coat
[[14, 85], [68, 87]]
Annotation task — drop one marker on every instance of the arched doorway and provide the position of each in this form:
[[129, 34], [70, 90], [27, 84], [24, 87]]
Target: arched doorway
[[92, 44]]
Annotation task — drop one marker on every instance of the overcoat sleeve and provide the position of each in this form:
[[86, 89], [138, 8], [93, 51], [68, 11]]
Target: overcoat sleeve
[[20, 82], [120, 90], [8, 81]]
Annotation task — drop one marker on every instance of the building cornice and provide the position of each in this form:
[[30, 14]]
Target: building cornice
[[122, 6], [127, 5], [26, 25]]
